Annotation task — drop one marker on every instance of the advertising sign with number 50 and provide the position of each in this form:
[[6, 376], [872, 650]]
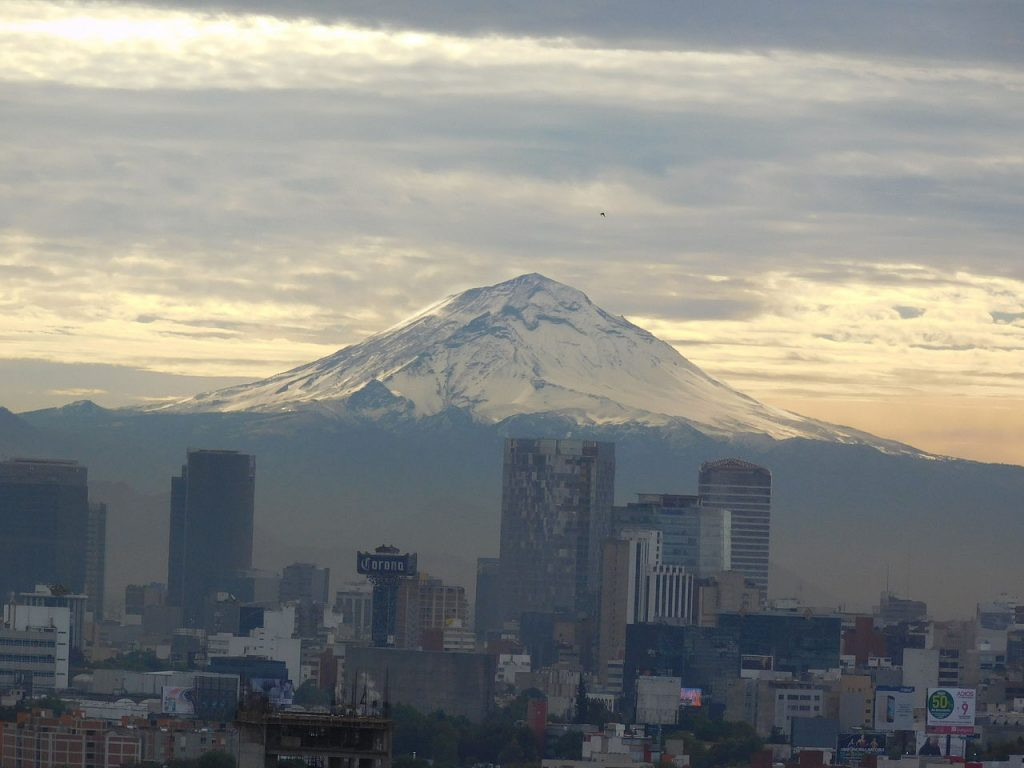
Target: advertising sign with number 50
[[951, 710]]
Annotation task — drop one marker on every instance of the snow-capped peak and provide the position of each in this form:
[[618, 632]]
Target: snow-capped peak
[[525, 346]]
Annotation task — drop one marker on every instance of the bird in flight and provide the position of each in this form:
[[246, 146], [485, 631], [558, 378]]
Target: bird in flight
[[602, 213]]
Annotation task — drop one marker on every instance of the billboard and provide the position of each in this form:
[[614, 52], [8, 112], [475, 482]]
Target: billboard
[[894, 708], [854, 747], [690, 697], [657, 700], [377, 564], [950, 710], [939, 745], [177, 700], [280, 693]]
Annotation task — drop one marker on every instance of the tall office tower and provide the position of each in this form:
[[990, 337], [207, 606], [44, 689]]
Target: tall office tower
[[96, 558], [622, 591], [556, 506], [637, 587], [211, 527], [694, 535], [487, 610], [305, 582], [426, 607], [44, 519], [744, 489]]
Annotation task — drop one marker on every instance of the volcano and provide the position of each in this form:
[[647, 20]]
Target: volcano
[[526, 346]]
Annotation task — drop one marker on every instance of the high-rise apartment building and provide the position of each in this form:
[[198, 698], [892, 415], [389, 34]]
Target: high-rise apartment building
[[745, 490], [555, 513], [426, 607], [211, 526], [694, 535], [47, 532]]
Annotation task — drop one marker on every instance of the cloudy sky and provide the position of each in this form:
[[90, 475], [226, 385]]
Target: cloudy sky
[[818, 202]]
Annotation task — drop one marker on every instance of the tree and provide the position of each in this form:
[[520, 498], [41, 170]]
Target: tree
[[53, 703], [444, 746], [581, 701], [135, 661], [569, 746]]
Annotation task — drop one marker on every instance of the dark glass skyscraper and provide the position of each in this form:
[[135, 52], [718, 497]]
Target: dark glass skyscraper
[[745, 490], [44, 525], [211, 526], [556, 506], [487, 615]]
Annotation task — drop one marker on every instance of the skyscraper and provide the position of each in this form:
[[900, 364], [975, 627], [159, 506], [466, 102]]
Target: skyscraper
[[694, 535], [745, 490], [555, 512], [638, 587], [487, 613], [44, 525], [211, 526]]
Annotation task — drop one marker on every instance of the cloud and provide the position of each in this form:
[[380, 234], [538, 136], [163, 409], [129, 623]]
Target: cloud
[[230, 194], [909, 313], [77, 392], [1004, 318], [983, 30]]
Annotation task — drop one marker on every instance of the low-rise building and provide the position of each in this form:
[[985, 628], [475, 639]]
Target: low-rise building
[[40, 740], [35, 647]]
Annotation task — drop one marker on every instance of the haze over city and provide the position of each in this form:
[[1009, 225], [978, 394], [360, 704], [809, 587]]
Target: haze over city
[[576, 384], [818, 205]]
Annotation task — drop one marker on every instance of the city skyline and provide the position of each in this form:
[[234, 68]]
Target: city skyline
[[812, 207]]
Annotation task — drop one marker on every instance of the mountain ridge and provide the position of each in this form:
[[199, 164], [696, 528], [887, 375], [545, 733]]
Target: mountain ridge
[[529, 345]]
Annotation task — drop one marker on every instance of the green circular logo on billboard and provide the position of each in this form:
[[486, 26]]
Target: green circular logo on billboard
[[940, 704]]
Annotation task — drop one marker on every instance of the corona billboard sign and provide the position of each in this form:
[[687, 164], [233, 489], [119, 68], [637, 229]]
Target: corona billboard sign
[[377, 564]]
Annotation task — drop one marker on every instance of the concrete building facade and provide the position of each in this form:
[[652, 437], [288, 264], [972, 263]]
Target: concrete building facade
[[555, 513], [35, 646], [457, 683]]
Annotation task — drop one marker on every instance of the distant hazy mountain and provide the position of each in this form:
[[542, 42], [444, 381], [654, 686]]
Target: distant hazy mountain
[[526, 346], [398, 440]]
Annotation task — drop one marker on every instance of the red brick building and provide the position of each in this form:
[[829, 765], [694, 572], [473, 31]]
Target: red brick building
[[40, 740]]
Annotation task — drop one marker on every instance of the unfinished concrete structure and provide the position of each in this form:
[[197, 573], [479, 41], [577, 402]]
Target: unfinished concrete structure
[[328, 741]]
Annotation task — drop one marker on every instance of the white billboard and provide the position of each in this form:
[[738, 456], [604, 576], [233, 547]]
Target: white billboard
[[657, 700], [894, 708], [950, 710]]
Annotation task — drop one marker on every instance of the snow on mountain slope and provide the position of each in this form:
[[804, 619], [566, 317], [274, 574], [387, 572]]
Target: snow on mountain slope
[[528, 345]]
